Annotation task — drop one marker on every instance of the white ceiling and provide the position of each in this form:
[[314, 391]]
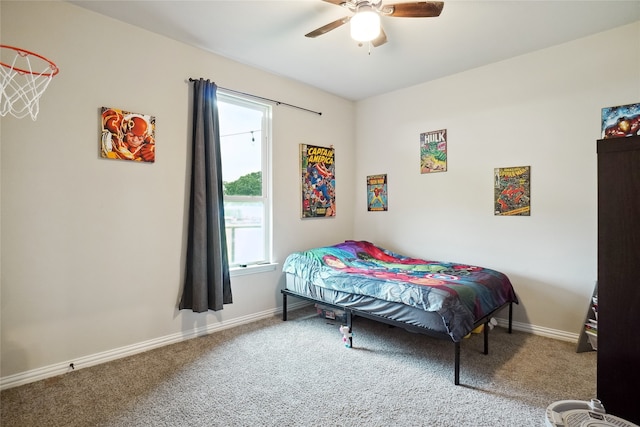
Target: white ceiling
[[269, 35]]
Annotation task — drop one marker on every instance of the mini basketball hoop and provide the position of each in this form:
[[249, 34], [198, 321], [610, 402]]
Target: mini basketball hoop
[[23, 85]]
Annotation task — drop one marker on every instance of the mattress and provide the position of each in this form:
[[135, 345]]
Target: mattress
[[391, 310]]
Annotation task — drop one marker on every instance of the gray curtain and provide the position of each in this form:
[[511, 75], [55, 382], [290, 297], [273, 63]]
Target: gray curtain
[[207, 283]]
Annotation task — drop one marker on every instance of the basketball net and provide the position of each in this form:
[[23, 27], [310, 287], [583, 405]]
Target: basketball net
[[21, 86]]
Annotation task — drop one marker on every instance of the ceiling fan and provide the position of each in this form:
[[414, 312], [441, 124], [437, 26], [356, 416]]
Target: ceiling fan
[[365, 22]]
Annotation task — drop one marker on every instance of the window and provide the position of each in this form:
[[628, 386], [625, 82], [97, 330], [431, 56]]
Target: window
[[244, 140]]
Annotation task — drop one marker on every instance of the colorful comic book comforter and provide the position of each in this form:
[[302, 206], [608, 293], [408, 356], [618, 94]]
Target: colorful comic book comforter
[[461, 294]]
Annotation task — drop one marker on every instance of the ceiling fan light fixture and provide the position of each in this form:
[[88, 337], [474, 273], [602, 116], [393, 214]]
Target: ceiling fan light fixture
[[365, 24]]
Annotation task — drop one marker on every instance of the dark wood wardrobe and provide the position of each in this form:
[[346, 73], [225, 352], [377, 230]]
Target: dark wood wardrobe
[[619, 276]]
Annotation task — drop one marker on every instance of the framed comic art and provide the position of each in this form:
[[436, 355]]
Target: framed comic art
[[433, 151], [377, 193], [621, 121], [512, 191], [127, 136], [317, 171]]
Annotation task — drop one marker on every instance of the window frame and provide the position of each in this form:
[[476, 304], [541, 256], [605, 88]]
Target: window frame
[[229, 97]]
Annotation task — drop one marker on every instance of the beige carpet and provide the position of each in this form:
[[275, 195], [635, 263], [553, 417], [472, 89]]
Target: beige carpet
[[298, 373]]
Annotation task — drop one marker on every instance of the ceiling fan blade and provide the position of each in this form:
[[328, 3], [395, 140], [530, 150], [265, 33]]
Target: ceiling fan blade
[[330, 26], [380, 40], [419, 9], [336, 2]]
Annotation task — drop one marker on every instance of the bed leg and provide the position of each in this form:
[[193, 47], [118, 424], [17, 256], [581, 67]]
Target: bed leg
[[486, 338], [349, 323], [510, 315], [457, 363], [284, 307]]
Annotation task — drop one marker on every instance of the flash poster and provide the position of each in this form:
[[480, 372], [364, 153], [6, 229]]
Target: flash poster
[[127, 136], [377, 193], [318, 181], [433, 151], [512, 191]]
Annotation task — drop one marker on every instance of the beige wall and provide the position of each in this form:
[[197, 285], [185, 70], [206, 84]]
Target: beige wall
[[540, 110], [92, 249]]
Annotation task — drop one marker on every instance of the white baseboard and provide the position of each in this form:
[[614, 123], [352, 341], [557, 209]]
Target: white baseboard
[[117, 353], [539, 330], [110, 355]]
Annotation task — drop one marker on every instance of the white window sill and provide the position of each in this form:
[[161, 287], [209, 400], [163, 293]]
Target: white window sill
[[253, 269]]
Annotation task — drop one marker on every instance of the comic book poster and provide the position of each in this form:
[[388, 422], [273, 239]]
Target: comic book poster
[[127, 136], [621, 121], [318, 181], [377, 193], [433, 151], [512, 191]]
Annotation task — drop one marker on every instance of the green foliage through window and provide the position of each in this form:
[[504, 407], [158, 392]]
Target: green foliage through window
[[247, 185]]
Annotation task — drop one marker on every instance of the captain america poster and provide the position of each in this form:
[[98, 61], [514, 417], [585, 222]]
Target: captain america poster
[[318, 181]]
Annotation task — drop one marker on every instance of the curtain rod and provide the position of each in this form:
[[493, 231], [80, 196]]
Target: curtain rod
[[265, 99]]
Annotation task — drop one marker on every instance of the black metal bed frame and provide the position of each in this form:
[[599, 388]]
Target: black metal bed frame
[[350, 312]]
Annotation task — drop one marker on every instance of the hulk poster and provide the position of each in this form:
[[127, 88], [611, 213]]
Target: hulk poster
[[433, 151]]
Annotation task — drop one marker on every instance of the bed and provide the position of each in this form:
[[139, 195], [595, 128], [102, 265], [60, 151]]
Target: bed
[[440, 299]]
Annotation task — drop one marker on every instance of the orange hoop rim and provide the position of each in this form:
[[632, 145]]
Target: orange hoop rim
[[25, 52]]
